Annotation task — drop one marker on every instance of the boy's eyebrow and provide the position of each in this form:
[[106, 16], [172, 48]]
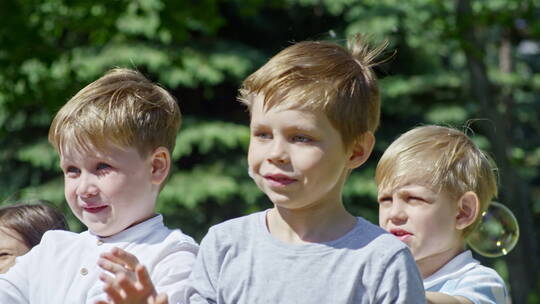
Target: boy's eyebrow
[[383, 192], [424, 195], [405, 192], [257, 126]]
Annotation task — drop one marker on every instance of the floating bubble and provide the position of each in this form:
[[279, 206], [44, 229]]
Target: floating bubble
[[497, 233]]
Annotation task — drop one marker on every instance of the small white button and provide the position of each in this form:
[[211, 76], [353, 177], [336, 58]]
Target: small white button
[[84, 271]]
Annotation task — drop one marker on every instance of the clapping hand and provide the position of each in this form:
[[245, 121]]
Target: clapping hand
[[130, 282]]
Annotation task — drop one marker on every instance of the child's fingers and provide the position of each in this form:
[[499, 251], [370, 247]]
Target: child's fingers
[[162, 299], [107, 279], [113, 294], [145, 280], [109, 256], [125, 258], [111, 266], [127, 286]]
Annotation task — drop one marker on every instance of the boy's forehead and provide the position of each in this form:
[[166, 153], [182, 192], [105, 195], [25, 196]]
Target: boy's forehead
[[293, 99], [71, 152], [291, 118], [259, 108], [405, 179]]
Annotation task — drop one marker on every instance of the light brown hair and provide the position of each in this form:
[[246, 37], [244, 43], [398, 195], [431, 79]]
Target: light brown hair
[[123, 109], [322, 76], [443, 158]]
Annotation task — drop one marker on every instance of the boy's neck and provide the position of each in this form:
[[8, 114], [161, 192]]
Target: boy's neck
[[143, 219], [430, 265], [314, 225]]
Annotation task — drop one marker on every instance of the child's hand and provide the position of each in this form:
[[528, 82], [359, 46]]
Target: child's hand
[[131, 283]]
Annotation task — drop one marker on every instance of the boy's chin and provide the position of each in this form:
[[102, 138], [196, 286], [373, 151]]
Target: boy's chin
[[101, 231]]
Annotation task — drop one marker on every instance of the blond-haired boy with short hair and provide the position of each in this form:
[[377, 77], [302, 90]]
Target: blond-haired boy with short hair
[[314, 108], [114, 138], [434, 183]]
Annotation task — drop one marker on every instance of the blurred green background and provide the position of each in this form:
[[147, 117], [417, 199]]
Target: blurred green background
[[456, 62]]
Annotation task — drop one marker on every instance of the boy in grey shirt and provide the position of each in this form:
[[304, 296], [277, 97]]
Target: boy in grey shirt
[[314, 108]]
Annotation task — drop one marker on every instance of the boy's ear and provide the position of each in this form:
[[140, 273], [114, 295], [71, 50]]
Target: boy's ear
[[361, 150], [468, 209], [161, 164]]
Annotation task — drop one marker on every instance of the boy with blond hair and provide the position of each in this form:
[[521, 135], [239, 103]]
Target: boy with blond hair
[[115, 139], [314, 107], [434, 183]]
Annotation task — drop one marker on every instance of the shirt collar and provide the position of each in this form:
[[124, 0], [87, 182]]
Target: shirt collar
[[134, 233], [460, 264]]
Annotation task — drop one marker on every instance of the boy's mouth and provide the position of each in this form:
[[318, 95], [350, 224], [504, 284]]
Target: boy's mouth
[[95, 209], [401, 234], [279, 179]]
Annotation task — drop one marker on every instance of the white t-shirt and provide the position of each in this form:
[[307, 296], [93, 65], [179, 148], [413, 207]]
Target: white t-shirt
[[464, 276], [63, 267]]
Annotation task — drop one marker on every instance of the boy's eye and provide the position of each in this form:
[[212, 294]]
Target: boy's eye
[[72, 170], [103, 166], [415, 199], [301, 139], [385, 199], [263, 135]]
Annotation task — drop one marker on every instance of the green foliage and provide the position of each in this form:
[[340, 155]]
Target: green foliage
[[207, 183], [209, 136], [39, 155], [202, 50], [443, 115]]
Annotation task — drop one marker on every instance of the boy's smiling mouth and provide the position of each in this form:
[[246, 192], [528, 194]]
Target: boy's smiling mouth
[[279, 180], [95, 209], [401, 234]]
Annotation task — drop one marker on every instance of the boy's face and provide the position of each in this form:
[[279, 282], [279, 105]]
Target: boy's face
[[109, 190], [422, 219], [296, 156]]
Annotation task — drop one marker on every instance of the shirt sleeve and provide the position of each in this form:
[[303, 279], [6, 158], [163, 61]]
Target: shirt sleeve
[[173, 271], [400, 281], [201, 286], [481, 286], [9, 293]]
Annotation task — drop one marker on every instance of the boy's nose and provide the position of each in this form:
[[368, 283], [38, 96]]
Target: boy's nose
[[278, 153], [86, 186], [398, 214]]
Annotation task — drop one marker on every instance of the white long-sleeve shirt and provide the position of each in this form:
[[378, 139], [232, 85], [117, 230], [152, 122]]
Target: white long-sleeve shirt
[[63, 267]]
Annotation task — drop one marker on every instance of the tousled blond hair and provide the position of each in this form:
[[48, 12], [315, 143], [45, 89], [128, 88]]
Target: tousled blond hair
[[322, 76], [444, 159], [122, 109]]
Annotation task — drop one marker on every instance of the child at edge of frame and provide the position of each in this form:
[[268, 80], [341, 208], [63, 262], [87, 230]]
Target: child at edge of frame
[[434, 183], [314, 109], [22, 225], [114, 138]]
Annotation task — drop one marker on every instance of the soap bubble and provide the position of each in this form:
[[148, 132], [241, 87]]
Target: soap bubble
[[497, 233]]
